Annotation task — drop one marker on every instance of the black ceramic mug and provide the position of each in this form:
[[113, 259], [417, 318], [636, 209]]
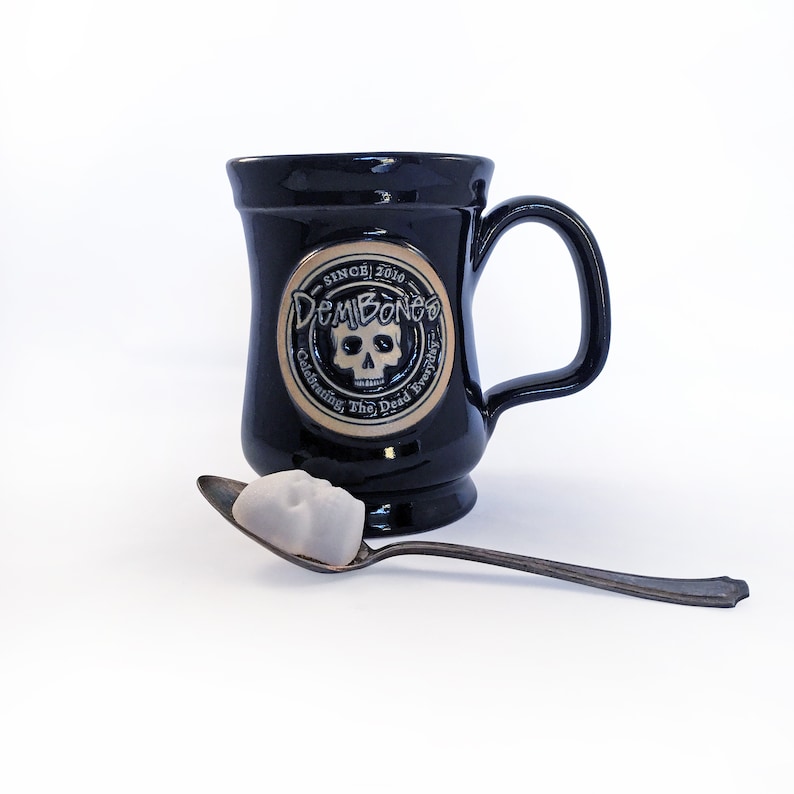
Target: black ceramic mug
[[362, 367]]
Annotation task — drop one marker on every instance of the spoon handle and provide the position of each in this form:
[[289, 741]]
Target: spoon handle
[[720, 591]]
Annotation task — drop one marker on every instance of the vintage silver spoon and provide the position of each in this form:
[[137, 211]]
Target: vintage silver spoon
[[720, 591]]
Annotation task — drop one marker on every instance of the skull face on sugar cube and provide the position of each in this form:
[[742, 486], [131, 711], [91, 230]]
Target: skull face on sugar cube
[[367, 350], [302, 515]]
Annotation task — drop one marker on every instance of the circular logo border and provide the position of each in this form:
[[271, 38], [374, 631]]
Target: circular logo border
[[337, 255]]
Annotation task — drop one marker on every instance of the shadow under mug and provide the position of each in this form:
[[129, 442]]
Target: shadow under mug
[[362, 368]]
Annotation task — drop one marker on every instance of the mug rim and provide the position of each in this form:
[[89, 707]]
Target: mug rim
[[270, 182], [354, 156]]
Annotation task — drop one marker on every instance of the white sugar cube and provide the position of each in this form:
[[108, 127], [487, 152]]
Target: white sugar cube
[[303, 515]]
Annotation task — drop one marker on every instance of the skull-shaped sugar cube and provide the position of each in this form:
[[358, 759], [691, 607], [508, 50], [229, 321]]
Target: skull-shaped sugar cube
[[302, 515]]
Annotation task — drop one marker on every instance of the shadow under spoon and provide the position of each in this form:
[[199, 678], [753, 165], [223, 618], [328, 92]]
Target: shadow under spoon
[[720, 591]]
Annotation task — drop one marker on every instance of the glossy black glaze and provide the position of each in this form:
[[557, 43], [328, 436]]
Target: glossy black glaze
[[416, 479]]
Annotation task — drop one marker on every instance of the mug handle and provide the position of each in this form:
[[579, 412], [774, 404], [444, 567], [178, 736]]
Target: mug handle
[[593, 294]]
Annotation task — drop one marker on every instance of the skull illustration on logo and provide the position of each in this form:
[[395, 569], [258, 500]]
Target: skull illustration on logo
[[367, 350]]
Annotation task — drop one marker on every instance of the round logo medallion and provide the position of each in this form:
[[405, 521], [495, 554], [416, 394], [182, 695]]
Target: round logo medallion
[[366, 338]]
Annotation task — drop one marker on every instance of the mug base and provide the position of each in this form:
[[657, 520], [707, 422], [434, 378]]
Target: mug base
[[417, 511]]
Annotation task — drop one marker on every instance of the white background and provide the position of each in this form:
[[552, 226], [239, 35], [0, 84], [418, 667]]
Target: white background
[[146, 646]]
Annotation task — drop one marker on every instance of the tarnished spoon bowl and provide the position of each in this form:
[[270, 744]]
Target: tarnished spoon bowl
[[720, 591]]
